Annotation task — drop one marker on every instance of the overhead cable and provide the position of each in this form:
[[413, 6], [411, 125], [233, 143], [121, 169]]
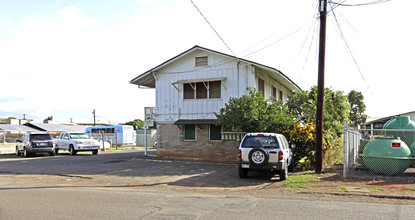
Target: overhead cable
[[350, 51], [212, 28]]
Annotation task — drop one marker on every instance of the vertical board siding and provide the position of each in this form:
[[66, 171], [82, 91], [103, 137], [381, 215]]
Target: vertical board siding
[[169, 100]]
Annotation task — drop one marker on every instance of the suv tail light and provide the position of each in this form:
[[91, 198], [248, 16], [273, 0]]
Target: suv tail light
[[280, 155], [239, 154]]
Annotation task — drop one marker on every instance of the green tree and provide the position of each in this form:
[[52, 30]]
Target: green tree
[[253, 113], [357, 108], [137, 124], [336, 108]]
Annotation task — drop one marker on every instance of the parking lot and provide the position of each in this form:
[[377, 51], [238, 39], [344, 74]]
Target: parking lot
[[129, 168], [132, 170]]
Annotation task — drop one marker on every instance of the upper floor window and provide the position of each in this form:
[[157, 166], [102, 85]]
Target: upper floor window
[[202, 90], [274, 92], [201, 61], [261, 86], [281, 97]]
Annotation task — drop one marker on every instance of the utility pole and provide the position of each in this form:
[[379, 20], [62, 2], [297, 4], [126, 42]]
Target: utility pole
[[320, 88], [93, 113]]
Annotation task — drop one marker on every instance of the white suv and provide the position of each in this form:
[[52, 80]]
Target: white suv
[[265, 151]]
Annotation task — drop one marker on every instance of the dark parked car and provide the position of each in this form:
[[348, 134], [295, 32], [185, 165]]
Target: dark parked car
[[33, 143]]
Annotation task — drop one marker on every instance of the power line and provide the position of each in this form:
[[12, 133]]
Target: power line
[[360, 4], [315, 16], [292, 33], [257, 43], [212, 28], [349, 50]]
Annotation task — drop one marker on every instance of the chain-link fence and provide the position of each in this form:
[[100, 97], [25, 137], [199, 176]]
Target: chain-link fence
[[379, 153]]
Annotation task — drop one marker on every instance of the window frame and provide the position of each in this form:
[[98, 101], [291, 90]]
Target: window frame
[[210, 133], [261, 86], [201, 61], [274, 92], [206, 88], [186, 127]]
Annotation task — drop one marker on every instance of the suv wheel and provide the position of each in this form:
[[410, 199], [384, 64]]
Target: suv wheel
[[284, 173], [25, 153], [258, 157], [243, 173], [71, 150]]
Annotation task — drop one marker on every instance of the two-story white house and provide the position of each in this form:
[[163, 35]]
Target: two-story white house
[[194, 85]]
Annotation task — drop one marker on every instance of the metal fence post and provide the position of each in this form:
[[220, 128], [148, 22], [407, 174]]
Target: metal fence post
[[345, 149], [103, 142]]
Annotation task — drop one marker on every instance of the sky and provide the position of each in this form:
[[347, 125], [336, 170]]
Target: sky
[[65, 58]]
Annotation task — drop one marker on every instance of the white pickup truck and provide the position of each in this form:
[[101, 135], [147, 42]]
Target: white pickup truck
[[74, 142]]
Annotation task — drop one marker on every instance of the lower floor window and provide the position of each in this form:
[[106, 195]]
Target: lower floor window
[[214, 133], [189, 132]]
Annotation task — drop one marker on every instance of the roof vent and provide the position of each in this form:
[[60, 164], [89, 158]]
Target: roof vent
[[201, 61]]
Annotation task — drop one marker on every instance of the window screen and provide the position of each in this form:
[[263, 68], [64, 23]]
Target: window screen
[[189, 132], [188, 91], [214, 89], [201, 91], [274, 92], [214, 133], [261, 86]]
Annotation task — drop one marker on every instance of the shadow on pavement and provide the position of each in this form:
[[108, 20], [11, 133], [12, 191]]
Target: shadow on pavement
[[150, 170]]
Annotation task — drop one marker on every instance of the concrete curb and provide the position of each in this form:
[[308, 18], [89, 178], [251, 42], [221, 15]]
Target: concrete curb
[[381, 196]]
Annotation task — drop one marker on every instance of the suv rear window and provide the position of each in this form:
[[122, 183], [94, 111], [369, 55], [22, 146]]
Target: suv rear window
[[40, 137], [260, 141]]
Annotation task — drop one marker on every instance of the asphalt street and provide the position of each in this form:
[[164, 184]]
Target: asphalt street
[[104, 203], [127, 185]]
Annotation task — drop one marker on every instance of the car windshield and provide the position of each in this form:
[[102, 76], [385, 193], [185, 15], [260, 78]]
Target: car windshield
[[79, 136], [40, 137], [260, 141]]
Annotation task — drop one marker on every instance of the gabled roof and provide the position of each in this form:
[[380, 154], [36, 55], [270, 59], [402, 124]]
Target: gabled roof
[[385, 119], [56, 127], [147, 79], [7, 127]]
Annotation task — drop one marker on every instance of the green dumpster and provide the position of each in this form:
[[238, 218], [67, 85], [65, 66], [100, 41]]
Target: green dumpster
[[387, 156], [395, 128]]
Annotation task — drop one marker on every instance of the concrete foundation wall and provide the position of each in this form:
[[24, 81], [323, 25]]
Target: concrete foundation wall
[[171, 144]]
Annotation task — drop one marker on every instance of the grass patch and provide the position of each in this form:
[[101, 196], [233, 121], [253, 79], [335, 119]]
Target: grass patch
[[375, 189], [300, 181], [7, 155], [344, 188], [411, 189]]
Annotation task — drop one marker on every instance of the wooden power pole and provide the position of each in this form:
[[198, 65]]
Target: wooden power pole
[[93, 113], [320, 88]]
